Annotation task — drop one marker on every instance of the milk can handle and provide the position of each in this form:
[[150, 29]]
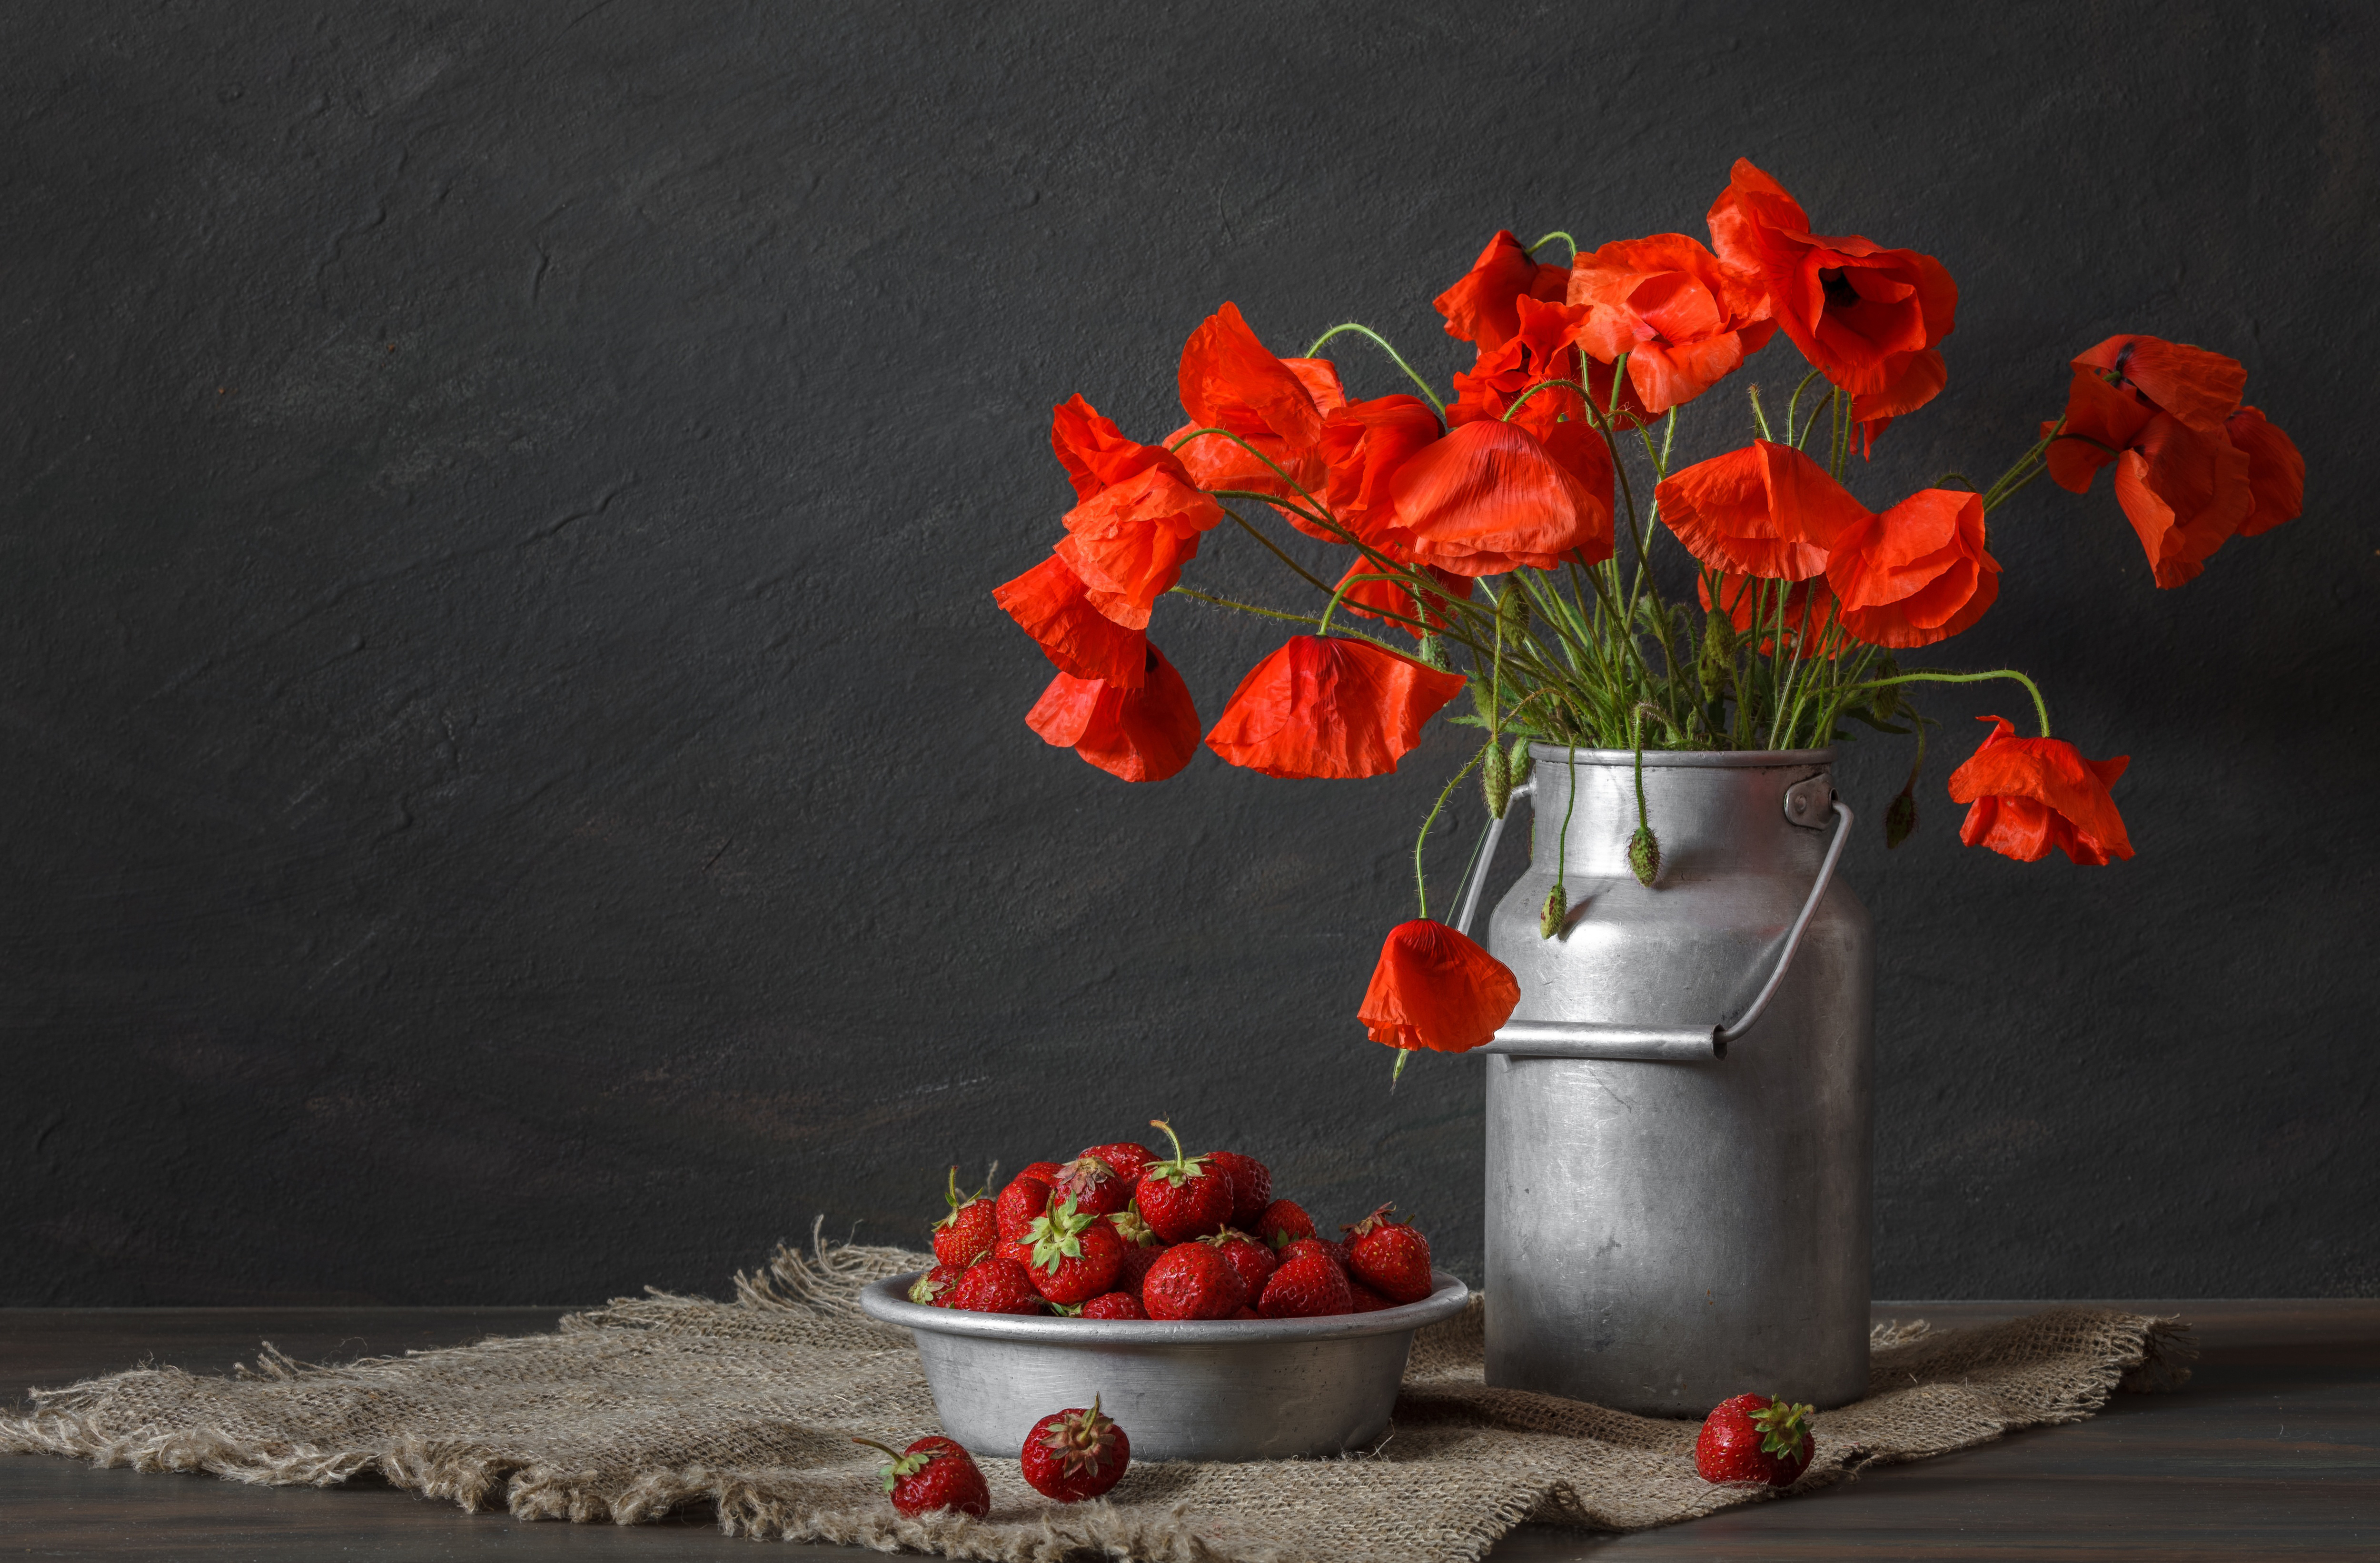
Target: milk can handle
[[1593, 1039]]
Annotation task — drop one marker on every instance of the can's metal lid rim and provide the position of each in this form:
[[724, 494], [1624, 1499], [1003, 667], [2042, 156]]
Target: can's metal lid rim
[[888, 1300], [1675, 759]]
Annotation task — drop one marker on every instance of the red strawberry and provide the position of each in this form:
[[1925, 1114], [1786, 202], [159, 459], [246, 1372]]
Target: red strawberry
[[1754, 1438], [968, 1233], [1245, 1314], [1192, 1281], [934, 1473], [1133, 1229], [934, 1287], [996, 1285], [1046, 1171], [1076, 1256], [1388, 1256], [1251, 1187], [1283, 1223], [1026, 1196], [1114, 1305], [1128, 1159], [1249, 1257], [1132, 1273], [1017, 1253], [1183, 1197], [1335, 1253], [1075, 1454], [1308, 1286], [1094, 1185], [1362, 1299]]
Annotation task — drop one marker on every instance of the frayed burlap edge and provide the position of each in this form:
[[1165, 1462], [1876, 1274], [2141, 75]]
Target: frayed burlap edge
[[2129, 1352]]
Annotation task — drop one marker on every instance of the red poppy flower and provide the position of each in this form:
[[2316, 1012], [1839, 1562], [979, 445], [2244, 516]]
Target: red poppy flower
[[1363, 444], [1916, 574], [1480, 308], [1050, 604], [1684, 320], [1320, 707], [1146, 733], [1438, 989], [1490, 497], [1540, 348], [1129, 541], [2187, 457], [1810, 617], [2029, 795], [1766, 510], [1870, 318], [1379, 597], [1094, 451], [1230, 381], [2276, 470]]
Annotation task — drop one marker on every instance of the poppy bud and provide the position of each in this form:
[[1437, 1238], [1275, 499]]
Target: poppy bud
[[1549, 921], [1900, 819], [1644, 856], [1512, 612], [1717, 664], [1522, 760], [1433, 652], [1884, 702], [1496, 778]]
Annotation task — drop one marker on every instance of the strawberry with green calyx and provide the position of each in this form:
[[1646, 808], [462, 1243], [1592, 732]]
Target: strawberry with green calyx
[[1130, 1160], [998, 1286], [1250, 1258], [1117, 1305], [1283, 1223], [1075, 1454], [1026, 1196], [1754, 1438], [1388, 1256], [968, 1233], [1309, 1286], [1133, 1229], [1075, 1254], [1251, 1187], [1183, 1197], [934, 1287], [1093, 1185], [933, 1474], [1192, 1281]]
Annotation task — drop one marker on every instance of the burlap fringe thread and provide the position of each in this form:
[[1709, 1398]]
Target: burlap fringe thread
[[654, 1404]]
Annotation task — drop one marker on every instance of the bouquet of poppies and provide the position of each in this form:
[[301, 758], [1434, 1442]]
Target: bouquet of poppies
[[1478, 544]]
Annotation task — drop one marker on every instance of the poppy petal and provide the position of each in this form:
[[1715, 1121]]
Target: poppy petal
[[1435, 988], [1766, 510], [1050, 604], [2276, 470], [2029, 795], [1142, 734], [1491, 496], [1330, 707]]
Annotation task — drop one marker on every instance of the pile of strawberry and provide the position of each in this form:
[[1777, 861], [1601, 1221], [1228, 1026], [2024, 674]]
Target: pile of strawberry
[[1122, 1233]]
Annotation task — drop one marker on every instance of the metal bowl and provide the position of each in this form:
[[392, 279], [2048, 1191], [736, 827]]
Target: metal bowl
[[1182, 1389]]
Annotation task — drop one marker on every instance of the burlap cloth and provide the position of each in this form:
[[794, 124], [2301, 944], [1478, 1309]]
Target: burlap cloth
[[650, 1405]]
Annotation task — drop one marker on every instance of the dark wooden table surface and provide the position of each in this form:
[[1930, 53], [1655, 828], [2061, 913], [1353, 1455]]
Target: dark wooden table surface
[[2273, 1451]]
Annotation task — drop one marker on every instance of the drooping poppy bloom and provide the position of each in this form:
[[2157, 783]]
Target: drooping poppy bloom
[[1540, 348], [1916, 574], [1766, 510], [1480, 308], [1050, 604], [2029, 795], [1869, 318], [1808, 615], [1492, 497], [1230, 380], [1146, 733], [1139, 518], [2276, 470], [1330, 707], [1363, 444], [1379, 597], [2187, 457], [1685, 320], [1438, 989]]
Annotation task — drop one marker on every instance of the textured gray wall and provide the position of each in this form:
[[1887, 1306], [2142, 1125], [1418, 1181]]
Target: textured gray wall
[[513, 787]]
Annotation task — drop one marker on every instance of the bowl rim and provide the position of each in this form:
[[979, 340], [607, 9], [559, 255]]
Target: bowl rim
[[888, 1300]]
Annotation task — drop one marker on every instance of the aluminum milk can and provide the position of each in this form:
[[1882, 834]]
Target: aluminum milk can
[[1678, 1201]]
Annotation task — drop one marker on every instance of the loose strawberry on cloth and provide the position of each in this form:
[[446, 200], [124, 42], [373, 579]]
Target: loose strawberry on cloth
[[662, 1403]]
